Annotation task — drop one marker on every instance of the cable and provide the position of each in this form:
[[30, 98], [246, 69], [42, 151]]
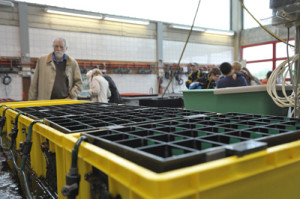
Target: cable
[[187, 40], [28, 143], [282, 70], [293, 81], [75, 151], [263, 27], [19, 169], [2, 124], [287, 52], [6, 79], [71, 189]]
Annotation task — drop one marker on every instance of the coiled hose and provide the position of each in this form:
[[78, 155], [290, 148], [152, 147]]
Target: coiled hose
[[282, 71]]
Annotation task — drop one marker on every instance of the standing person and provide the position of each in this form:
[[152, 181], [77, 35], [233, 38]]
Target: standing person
[[115, 95], [56, 76], [251, 80], [207, 81], [194, 75], [99, 89], [230, 78]]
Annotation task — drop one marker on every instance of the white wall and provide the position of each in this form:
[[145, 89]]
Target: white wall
[[116, 48], [195, 52], [94, 46], [12, 90], [9, 41], [135, 83], [91, 46]]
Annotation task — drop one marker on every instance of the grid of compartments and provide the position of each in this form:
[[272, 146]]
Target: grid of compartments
[[90, 116], [38, 112], [167, 145]]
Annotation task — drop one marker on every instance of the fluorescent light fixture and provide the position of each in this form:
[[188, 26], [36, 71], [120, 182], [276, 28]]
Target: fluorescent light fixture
[[125, 20], [7, 3], [181, 27], [54, 11], [220, 32], [212, 31]]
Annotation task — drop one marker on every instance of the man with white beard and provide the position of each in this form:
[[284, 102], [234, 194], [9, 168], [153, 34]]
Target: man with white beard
[[56, 76]]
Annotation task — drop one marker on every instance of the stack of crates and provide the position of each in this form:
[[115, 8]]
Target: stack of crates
[[142, 152]]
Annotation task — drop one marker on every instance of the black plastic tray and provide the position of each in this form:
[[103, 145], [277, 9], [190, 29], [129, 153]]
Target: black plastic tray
[[166, 145], [80, 117]]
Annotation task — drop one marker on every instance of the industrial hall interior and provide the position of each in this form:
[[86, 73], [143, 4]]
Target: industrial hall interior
[[150, 99]]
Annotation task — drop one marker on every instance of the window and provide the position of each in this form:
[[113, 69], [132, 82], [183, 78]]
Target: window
[[264, 57], [281, 49], [260, 9], [260, 69], [258, 52]]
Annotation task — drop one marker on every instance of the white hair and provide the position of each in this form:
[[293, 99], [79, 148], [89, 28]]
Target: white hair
[[62, 40]]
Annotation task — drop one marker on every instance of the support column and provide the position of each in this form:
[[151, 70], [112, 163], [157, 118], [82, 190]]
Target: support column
[[25, 50], [236, 20], [297, 71], [159, 53]]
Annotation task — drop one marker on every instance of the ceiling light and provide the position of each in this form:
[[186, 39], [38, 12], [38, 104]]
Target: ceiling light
[[212, 31], [54, 11], [181, 27], [220, 32], [125, 20]]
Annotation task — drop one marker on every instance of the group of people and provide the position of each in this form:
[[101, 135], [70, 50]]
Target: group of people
[[57, 76], [226, 75]]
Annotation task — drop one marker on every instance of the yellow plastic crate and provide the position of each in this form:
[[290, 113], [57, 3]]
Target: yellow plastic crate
[[41, 103], [10, 117], [271, 173], [41, 133]]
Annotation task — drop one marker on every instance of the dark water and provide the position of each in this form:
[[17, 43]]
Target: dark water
[[12, 185], [9, 185]]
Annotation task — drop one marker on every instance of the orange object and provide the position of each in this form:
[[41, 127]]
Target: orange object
[[263, 81]]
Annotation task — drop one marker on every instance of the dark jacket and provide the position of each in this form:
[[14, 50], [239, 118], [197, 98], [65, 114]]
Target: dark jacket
[[241, 73], [115, 95], [192, 77], [206, 83], [228, 81]]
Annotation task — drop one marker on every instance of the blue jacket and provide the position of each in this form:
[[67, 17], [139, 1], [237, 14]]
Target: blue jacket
[[230, 82]]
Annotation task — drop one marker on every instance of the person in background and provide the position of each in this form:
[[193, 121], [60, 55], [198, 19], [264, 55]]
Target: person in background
[[265, 81], [115, 95], [251, 80], [56, 76], [237, 68], [194, 75], [207, 81], [99, 88], [230, 79]]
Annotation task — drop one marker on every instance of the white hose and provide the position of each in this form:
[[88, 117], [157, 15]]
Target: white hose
[[283, 70]]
